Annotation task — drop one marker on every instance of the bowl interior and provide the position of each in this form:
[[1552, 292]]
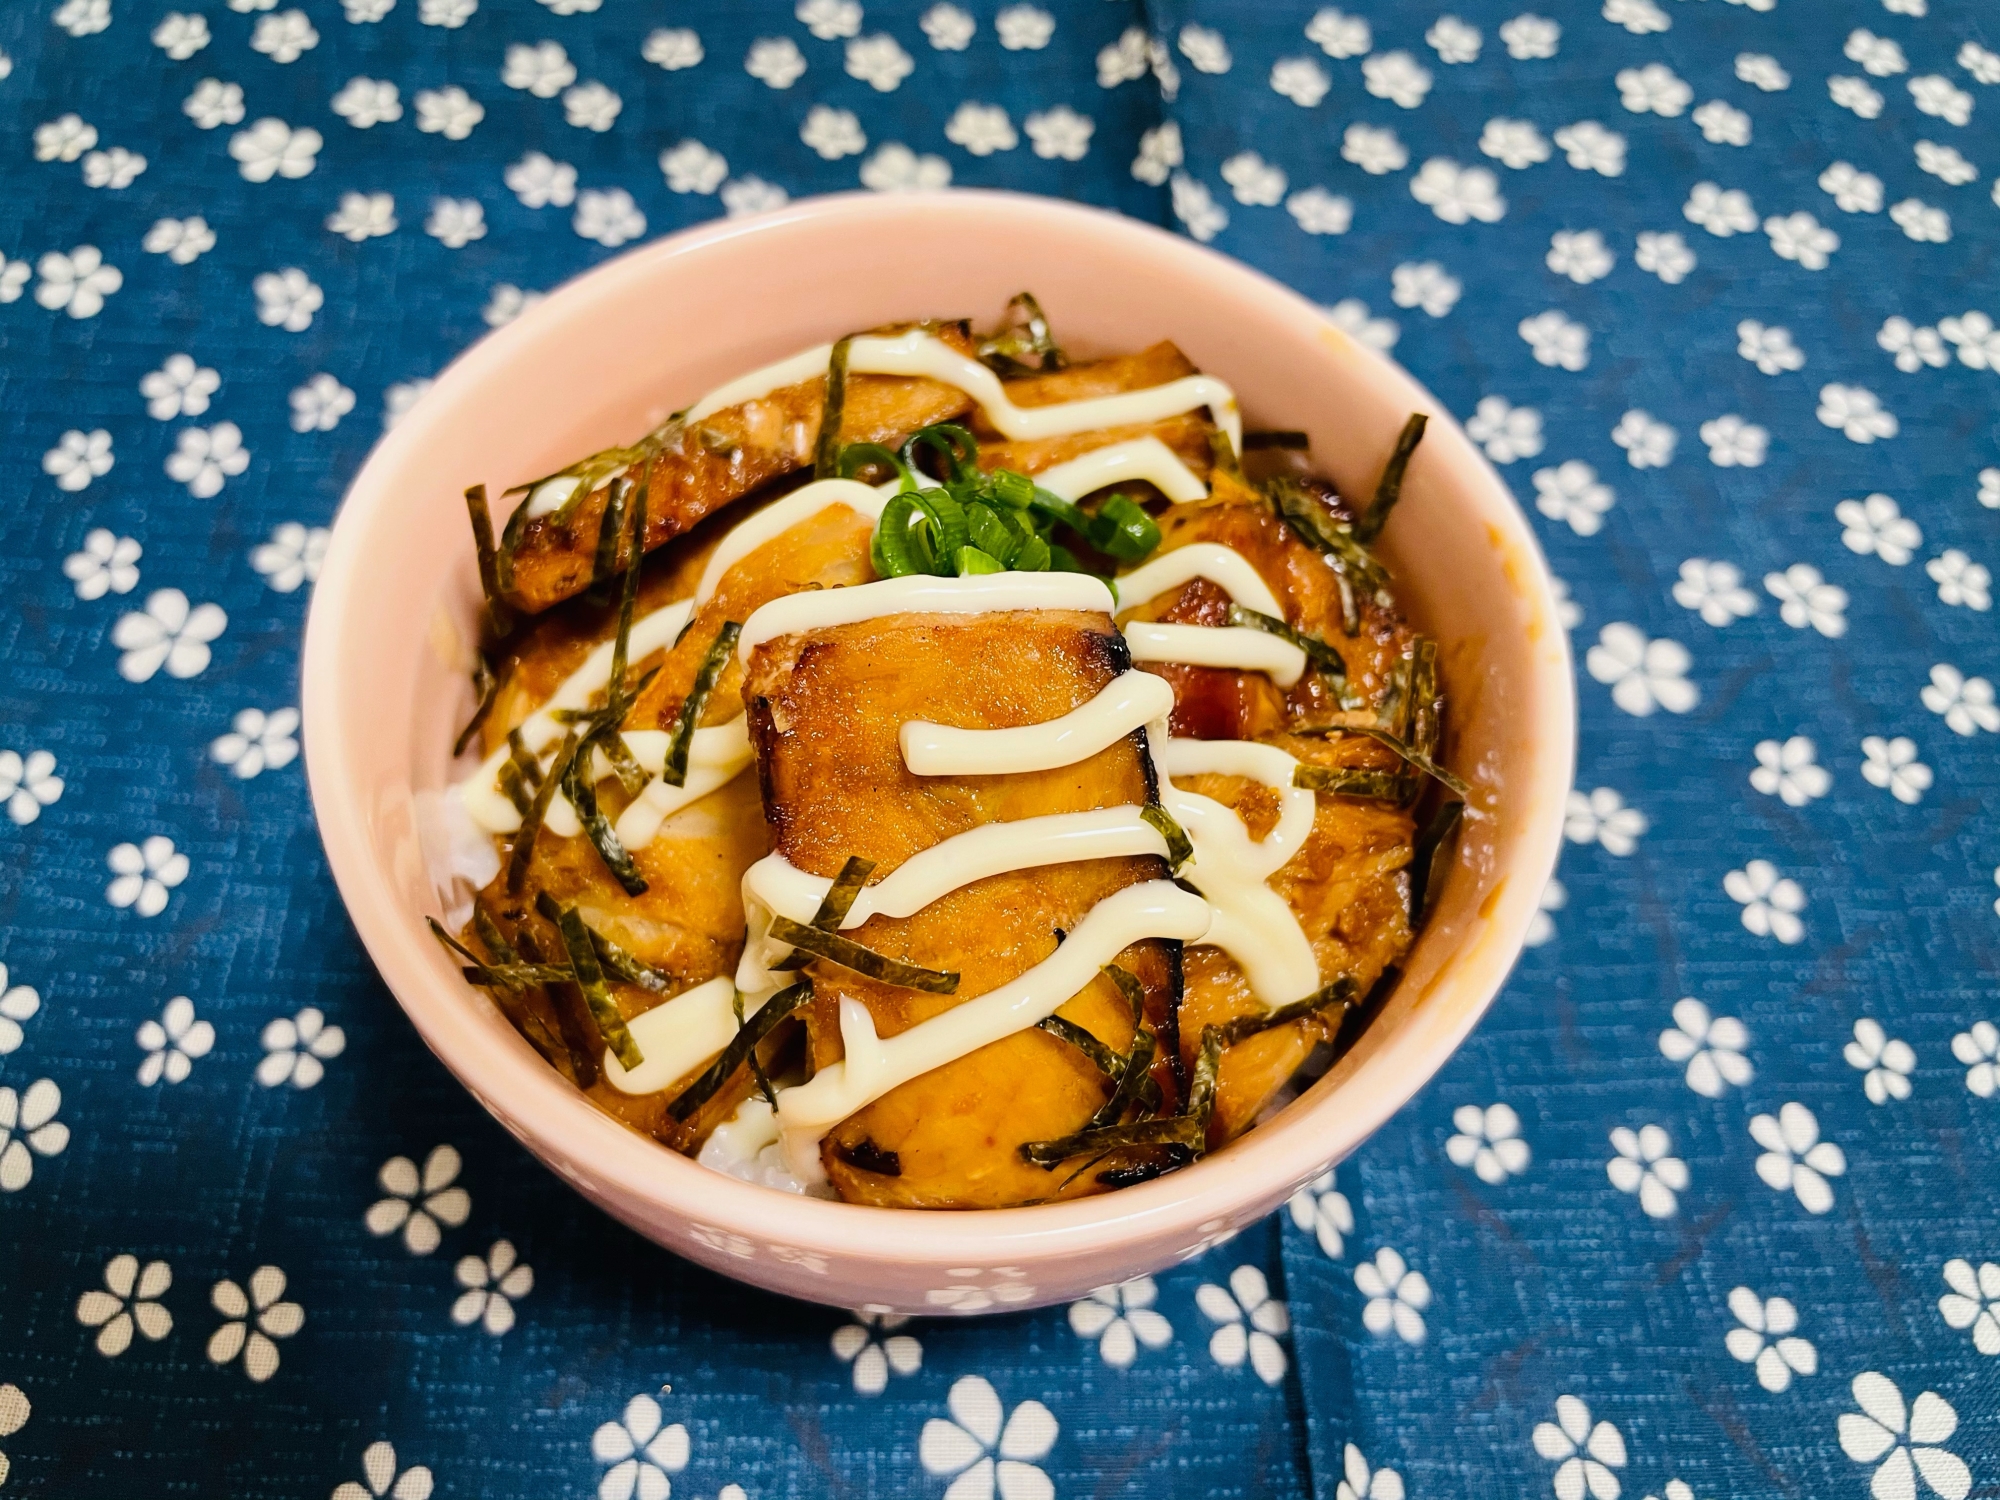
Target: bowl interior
[[390, 641]]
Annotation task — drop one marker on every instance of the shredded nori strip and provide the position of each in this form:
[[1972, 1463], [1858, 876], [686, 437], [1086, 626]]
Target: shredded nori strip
[[572, 1017], [1024, 330], [629, 968], [1189, 1128], [1425, 712], [674, 772], [1323, 656], [611, 530], [1223, 455], [1423, 857], [628, 599], [865, 1156], [1389, 489], [1340, 992], [507, 982], [499, 617], [1350, 781], [763, 1079], [1180, 848], [520, 775], [597, 828], [486, 683], [516, 976], [1128, 985], [1281, 438], [753, 1031], [840, 896], [1353, 564], [849, 954], [1409, 752], [1135, 1082], [826, 457], [538, 810], [589, 978], [1110, 1063]]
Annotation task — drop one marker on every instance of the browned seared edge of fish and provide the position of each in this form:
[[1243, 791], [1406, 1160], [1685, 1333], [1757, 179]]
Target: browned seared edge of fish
[[1347, 884], [694, 470], [825, 710]]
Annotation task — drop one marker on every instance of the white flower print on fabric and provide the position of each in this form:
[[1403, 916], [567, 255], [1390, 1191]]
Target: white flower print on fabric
[[982, 129], [1654, 89], [1646, 1166], [1981, 62], [1795, 1159], [775, 61], [214, 103], [829, 20], [1507, 432], [1965, 703], [285, 37], [1542, 926], [1763, 71], [291, 557], [1351, 316], [493, 1283], [82, 18], [1059, 134], [182, 241], [271, 148], [1584, 1454], [609, 217], [1905, 1440], [540, 182], [1800, 237], [1339, 35], [1979, 1049], [1640, 17], [1253, 181], [1789, 771], [366, 12], [986, 1456], [286, 299], [1666, 256], [1581, 255], [1397, 77], [1024, 28], [689, 167], [1122, 1318], [78, 458], [28, 1129], [1878, 55], [1855, 94], [1453, 40], [1530, 37], [1300, 80], [1734, 443], [380, 1479], [591, 106], [1893, 766], [1766, 1336], [1590, 147], [1571, 493], [1568, 612], [449, 112], [1723, 124], [76, 283], [1556, 341], [896, 168], [265, 1308], [168, 633], [418, 1202], [1159, 153], [873, 1349], [878, 61], [1648, 442], [1914, 348], [832, 133], [751, 195], [1960, 581], [204, 458], [1205, 49], [543, 69], [1397, 1296], [1722, 212], [113, 169], [144, 873], [173, 1043], [1120, 62], [1853, 191], [1489, 1142], [1601, 817], [1715, 591], [1973, 1302], [1196, 207], [367, 102], [130, 1300], [1251, 1323], [1425, 284], [1359, 1482], [1945, 163], [1989, 488], [1939, 96], [672, 48], [19, 1004], [1877, 527], [64, 138], [1375, 149], [1322, 1208], [257, 742], [1855, 413], [295, 1048], [1711, 1046], [1317, 211], [1771, 903], [396, 404], [1771, 350], [1805, 599], [319, 404], [450, 14], [179, 388], [1922, 223], [359, 217], [179, 36], [1884, 1062], [1514, 143], [950, 29], [1976, 338]]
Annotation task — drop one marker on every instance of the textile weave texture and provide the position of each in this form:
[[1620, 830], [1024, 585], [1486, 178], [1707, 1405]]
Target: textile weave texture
[[1707, 1207]]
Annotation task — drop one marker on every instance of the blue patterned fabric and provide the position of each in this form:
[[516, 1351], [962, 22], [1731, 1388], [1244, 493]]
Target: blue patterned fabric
[[1707, 1207]]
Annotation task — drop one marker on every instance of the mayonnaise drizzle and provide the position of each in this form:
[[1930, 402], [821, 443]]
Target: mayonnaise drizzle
[[774, 520], [1236, 646], [1225, 567], [676, 1036], [873, 1066], [1120, 706], [921, 593], [1144, 458]]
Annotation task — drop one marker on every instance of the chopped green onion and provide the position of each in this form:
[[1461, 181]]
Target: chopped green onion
[[893, 552], [1389, 489], [993, 535], [972, 560], [1180, 848], [851, 955], [1121, 529], [1011, 488], [753, 1031], [951, 442], [826, 458], [674, 772]]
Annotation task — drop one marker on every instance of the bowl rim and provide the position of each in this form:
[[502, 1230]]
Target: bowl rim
[[551, 1117]]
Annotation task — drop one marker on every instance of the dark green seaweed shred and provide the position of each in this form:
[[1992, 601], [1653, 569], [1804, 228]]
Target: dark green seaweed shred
[[753, 1031], [826, 457], [1108, 1061], [1279, 438], [1389, 489], [757, 1073], [1356, 570], [1340, 992], [597, 828], [840, 896], [1407, 751], [1180, 848], [486, 683], [1223, 455], [611, 530], [865, 1156], [508, 979], [628, 600], [1323, 656], [674, 772], [1424, 866], [572, 1017], [629, 968], [516, 976], [1023, 334], [1135, 1082], [520, 774], [849, 954], [589, 978], [1188, 1128], [1351, 781], [1128, 985], [499, 617], [538, 810]]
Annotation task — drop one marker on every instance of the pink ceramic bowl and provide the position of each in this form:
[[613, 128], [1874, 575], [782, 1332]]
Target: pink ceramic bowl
[[610, 355]]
